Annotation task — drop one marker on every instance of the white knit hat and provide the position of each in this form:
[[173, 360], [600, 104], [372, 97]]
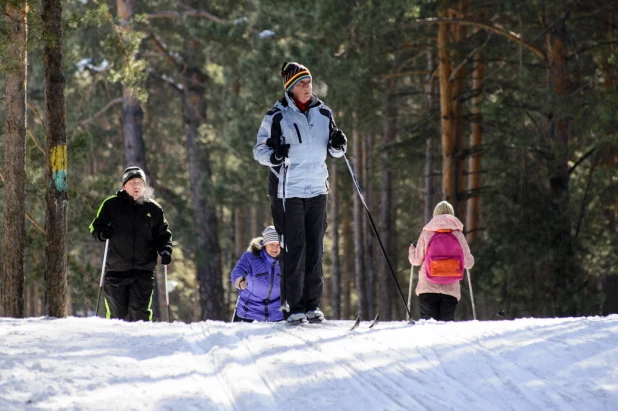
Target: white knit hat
[[270, 235]]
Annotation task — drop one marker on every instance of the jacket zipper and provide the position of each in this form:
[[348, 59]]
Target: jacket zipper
[[300, 140]]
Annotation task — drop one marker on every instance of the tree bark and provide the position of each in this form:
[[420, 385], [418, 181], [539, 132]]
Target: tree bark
[[12, 276], [132, 114], [335, 300], [459, 34], [387, 208], [57, 196], [563, 285], [208, 253], [368, 256], [432, 192], [448, 120], [359, 235], [348, 253], [476, 140]]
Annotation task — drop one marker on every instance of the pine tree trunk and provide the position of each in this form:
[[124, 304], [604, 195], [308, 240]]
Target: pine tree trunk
[[348, 262], [448, 120], [57, 197], [359, 234], [387, 225], [564, 282], [432, 192], [368, 258], [459, 34], [12, 277], [335, 300], [476, 140], [208, 253], [132, 114]]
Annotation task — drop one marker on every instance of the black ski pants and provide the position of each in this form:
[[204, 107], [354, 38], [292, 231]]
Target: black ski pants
[[440, 307], [303, 229], [128, 294]]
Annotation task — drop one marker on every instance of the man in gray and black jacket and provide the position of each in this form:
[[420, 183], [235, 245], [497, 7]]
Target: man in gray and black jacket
[[298, 133]]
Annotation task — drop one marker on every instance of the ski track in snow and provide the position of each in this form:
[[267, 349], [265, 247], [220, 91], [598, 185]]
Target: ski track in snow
[[94, 364], [356, 366]]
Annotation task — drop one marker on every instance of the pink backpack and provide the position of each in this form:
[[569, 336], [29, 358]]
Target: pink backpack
[[444, 258]]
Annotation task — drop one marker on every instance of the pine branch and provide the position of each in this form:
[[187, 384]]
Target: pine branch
[[99, 113]]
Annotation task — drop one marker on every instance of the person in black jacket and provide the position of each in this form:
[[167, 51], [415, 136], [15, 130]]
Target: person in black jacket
[[137, 230]]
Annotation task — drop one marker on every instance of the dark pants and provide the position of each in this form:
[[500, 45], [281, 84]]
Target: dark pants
[[128, 295], [238, 319], [303, 230], [440, 307]]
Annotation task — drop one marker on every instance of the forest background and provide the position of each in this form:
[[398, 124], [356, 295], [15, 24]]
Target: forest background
[[507, 109]]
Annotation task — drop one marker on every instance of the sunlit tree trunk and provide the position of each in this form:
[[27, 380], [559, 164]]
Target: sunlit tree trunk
[[448, 120], [57, 196], [12, 276], [476, 140], [432, 191]]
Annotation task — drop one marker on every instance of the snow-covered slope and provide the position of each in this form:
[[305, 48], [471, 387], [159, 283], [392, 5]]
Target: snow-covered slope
[[559, 364]]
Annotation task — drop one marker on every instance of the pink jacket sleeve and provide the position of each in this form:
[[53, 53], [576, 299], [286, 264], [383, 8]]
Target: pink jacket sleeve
[[417, 256], [468, 259]]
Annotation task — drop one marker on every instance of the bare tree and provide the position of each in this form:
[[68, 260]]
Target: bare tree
[[57, 196], [12, 275]]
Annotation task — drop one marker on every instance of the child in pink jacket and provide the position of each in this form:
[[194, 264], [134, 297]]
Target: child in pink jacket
[[438, 301]]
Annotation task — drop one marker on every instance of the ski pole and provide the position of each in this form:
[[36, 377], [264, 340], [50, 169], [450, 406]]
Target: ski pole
[[284, 305], [238, 299], [167, 296], [375, 231], [410, 291], [96, 312], [471, 295]]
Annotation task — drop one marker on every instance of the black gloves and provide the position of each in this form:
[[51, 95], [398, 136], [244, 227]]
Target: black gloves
[[338, 140], [281, 152], [166, 257], [106, 233]]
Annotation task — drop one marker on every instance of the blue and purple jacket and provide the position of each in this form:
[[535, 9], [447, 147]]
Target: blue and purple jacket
[[260, 301]]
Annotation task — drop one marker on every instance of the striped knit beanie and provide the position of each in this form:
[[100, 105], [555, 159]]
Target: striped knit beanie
[[292, 73], [132, 172]]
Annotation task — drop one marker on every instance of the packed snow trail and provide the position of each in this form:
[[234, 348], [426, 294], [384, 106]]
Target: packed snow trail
[[96, 364]]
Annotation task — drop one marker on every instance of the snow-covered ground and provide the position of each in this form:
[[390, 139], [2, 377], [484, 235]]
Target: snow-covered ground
[[527, 364]]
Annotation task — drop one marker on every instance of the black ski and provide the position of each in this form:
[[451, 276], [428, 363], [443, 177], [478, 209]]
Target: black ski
[[356, 324], [375, 321]]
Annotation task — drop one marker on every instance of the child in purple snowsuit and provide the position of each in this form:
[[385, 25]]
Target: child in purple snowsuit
[[257, 277]]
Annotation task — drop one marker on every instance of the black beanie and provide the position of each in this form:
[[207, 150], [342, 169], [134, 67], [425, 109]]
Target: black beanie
[[131, 173]]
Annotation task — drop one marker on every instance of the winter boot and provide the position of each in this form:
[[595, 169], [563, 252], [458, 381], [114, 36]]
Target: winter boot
[[296, 318], [315, 316]]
